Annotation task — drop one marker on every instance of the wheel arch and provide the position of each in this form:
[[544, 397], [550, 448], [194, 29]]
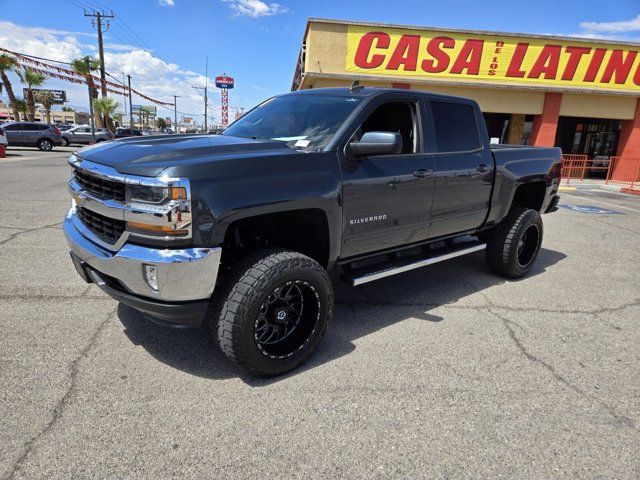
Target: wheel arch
[[304, 230], [530, 195]]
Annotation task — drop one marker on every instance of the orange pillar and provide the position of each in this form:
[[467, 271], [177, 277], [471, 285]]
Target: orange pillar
[[629, 141], [543, 132]]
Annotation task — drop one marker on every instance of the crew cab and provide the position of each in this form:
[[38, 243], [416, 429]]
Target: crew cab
[[236, 232]]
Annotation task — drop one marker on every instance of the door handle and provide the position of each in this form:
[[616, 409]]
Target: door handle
[[423, 173], [482, 168]]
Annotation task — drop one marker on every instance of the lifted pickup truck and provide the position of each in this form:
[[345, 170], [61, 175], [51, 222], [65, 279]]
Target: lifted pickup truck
[[235, 232]]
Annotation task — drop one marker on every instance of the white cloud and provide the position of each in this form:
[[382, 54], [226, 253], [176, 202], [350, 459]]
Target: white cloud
[[41, 42], [149, 74], [166, 3], [255, 8], [623, 26], [119, 47]]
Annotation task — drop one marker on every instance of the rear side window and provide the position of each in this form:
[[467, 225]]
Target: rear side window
[[456, 127]]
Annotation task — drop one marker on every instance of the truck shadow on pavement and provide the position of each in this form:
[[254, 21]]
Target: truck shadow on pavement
[[359, 311]]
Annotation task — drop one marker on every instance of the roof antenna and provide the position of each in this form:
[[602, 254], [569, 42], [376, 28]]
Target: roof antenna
[[356, 87]]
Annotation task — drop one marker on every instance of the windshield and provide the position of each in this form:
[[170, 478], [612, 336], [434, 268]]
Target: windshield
[[302, 121]]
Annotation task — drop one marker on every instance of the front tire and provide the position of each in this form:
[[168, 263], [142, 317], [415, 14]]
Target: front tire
[[65, 142], [514, 247], [273, 312], [45, 145]]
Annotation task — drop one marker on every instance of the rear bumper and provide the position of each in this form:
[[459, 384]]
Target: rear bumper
[[186, 278], [553, 204]]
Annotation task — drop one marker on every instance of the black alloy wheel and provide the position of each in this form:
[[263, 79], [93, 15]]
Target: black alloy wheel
[[513, 246], [286, 319], [528, 245], [272, 311]]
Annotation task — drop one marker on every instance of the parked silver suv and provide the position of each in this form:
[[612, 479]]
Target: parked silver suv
[[32, 134], [82, 135]]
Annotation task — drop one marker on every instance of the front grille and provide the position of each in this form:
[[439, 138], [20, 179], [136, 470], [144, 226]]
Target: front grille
[[101, 188], [107, 229]]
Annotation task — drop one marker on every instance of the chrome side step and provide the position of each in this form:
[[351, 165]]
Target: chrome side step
[[356, 277]]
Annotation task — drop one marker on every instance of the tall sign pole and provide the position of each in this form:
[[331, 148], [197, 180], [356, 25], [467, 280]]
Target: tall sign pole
[[224, 83], [225, 107]]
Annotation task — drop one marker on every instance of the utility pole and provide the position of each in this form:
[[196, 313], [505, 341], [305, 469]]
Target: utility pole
[[93, 127], [206, 85], [130, 107], [205, 88], [124, 97], [175, 114], [96, 20]]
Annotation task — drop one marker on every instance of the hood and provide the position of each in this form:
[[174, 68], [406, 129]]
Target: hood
[[149, 156]]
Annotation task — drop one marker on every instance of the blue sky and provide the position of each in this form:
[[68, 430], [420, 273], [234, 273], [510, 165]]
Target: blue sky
[[163, 43]]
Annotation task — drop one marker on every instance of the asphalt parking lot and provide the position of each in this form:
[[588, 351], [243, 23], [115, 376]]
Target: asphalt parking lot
[[445, 372]]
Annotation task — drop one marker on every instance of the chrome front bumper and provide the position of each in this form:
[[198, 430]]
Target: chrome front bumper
[[183, 275]]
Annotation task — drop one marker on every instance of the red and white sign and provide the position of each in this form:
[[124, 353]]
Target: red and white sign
[[224, 82]]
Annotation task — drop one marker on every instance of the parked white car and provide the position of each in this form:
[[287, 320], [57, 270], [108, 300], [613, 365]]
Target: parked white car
[[3, 138]]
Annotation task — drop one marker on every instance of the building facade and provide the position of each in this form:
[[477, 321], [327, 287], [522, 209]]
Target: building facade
[[58, 117], [578, 94]]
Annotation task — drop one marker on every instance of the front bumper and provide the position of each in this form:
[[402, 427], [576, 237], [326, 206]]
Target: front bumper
[[186, 278]]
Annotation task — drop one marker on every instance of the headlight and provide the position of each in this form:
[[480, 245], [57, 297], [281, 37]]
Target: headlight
[[159, 207], [147, 194]]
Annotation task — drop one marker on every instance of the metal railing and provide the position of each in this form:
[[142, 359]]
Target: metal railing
[[624, 171]]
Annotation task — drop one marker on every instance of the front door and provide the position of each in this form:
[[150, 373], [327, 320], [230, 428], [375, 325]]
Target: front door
[[387, 198]]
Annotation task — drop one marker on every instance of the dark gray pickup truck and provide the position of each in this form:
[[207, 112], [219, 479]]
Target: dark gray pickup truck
[[235, 232]]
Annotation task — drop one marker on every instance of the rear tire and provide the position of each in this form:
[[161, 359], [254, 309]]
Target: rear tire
[[65, 142], [45, 145], [272, 311], [514, 247]]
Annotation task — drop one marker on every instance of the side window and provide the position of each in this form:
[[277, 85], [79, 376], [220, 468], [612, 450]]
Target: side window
[[397, 117], [13, 127], [456, 127]]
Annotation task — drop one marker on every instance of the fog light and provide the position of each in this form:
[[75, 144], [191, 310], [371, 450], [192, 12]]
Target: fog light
[[151, 276]]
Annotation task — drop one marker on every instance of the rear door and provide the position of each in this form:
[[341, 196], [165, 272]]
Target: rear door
[[463, 165], [387, 198], [83, 135], [38, 131]]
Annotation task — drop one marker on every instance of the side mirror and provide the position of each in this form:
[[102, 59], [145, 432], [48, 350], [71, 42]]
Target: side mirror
[[377, 143]]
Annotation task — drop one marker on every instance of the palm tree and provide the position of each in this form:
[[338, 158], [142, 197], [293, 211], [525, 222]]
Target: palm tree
[[47, 100], [84, 66], [21, 106], [7, 64], [31, 79], [106, 106]]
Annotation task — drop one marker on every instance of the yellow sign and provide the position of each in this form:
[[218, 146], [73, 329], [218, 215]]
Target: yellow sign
[[492, 58]]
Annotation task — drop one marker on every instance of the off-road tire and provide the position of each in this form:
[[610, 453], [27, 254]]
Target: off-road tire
[[45, 145], [237, 305], [505, 254]]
